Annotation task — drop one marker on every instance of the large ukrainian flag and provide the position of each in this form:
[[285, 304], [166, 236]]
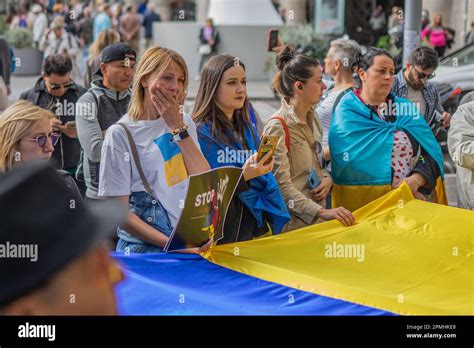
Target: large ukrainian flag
[[417, 259]]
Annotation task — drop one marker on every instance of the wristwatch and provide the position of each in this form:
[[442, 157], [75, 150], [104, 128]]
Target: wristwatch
[[180, 133]]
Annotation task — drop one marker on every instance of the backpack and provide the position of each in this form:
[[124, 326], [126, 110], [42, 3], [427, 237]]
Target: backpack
[[80, 165], [285, 129]]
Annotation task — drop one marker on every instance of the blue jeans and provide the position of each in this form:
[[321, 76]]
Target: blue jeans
[[153, 213], [137, 248]]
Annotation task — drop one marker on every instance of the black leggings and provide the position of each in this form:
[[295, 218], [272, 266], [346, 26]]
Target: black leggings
[[440, 50]]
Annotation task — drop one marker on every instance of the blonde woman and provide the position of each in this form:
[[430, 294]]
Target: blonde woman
[[105, 38], [26, 135], [167, 160]]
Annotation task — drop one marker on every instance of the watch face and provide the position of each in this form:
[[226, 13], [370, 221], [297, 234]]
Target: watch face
[[181, 135]]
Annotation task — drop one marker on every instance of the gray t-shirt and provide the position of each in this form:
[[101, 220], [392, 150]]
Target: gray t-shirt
[[417, 97]]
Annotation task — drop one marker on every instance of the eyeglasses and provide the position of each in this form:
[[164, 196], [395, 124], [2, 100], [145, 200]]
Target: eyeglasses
[[421, 75], [41, 140], [64, 85]]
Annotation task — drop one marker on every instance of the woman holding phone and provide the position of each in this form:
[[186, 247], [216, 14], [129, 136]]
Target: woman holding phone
[[228, 138], [299, 167]]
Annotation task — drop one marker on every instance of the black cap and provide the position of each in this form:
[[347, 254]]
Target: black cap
[[45, 225], [116, 51]]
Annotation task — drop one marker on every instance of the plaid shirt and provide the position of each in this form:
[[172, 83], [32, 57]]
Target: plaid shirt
[[430, 95]]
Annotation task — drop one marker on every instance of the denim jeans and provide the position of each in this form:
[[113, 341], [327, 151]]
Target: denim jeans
[[137, 248], [153, 213]]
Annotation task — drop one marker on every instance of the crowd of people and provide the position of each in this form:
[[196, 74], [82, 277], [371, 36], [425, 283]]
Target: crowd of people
[[125, 138], [434, 33], [74, 26]]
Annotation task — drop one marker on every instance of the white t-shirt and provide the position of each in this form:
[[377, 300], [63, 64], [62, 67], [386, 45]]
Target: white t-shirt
[[160, 158]]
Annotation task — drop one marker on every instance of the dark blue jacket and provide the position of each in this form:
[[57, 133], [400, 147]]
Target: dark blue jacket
[[148, 19]]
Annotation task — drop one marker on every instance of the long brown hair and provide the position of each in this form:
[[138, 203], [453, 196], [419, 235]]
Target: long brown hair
[[205, 107]]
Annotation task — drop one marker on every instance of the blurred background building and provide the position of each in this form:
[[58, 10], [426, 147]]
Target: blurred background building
[[330, 16], [352, 18]]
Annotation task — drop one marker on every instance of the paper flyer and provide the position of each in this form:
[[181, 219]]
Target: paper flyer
[[205, 208]]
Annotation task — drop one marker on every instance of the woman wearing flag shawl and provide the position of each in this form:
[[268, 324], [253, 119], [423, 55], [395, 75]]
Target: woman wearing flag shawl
[[378, 140], [228, 138]]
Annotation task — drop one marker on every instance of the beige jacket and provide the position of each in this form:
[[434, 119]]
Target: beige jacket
[[292, 170], [461, 149]]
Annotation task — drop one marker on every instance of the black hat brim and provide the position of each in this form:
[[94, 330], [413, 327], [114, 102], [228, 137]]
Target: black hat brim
[[99, 223]]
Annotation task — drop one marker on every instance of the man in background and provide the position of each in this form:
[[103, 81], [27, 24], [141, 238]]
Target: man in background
[[413, 83], [130, 24], [57, 92]]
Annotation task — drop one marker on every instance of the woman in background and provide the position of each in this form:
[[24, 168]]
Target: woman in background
[[105, 38]]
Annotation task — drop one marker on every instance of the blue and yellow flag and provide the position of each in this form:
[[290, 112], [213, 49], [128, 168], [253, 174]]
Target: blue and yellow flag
[[403, 256]]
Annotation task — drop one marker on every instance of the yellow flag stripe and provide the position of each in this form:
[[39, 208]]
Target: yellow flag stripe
[[417, 257]]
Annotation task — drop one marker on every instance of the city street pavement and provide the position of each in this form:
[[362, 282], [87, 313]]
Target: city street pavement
[[259, 93]]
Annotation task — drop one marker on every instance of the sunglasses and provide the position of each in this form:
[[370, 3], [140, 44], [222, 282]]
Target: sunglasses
[[65, 85], [41, 140], [421, 75]]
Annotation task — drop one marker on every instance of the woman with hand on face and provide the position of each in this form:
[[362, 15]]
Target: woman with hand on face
[[378, 141], [167, 149], [26, 135], [229, 138], [299, 164]]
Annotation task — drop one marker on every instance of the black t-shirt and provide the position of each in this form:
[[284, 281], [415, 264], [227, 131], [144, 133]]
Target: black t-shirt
[[67, 151]]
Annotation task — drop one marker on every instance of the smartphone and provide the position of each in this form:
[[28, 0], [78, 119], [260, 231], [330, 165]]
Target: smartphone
[[313, 180], [272, 39], [268, 144], [436, 122]]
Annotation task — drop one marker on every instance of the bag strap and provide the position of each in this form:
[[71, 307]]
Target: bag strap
[[133, 147], [340, 96], [286, 130]]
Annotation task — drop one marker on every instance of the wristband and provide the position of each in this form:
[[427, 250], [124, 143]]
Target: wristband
[[181, 135], [179, 130]]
